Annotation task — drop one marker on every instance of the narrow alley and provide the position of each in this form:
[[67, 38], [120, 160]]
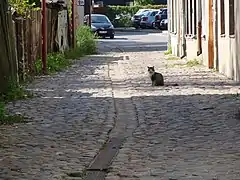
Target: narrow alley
[[185, 132]]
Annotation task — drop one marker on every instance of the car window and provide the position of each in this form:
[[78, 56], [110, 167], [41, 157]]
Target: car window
[[141, 11], [154, 13], [146, 13], [163, 16], [100, 19]]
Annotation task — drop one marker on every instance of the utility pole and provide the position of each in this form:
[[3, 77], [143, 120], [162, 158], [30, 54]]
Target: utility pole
[[44, 37], [90, 14], [73, 24]]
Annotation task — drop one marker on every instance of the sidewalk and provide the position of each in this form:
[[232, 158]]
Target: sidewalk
[[189, 131]]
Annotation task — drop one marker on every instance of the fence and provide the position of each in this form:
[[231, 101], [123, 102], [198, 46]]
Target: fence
[[28, 37], [21, 40]]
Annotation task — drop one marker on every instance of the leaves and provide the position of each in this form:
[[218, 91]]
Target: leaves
[[24, 7], [143, 2]]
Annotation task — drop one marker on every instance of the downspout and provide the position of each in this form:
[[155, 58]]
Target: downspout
[[215, 7], [169, 5], [183, 54], [199, 28], [178, 14]]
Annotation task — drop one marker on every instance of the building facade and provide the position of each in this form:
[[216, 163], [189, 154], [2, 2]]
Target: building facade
[[207, 30]]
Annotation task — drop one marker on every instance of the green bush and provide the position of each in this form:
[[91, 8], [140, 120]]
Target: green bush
[[126, 12], [85, 44], [86, 40]]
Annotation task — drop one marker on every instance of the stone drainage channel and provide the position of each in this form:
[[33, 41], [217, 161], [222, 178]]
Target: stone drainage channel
[[126, 122]]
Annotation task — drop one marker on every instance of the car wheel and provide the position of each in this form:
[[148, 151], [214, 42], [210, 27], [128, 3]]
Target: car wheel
[[153, 26], [112, 36]]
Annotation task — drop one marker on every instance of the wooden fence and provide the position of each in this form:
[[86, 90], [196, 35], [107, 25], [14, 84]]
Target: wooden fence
[[21, 41], [28, 33]]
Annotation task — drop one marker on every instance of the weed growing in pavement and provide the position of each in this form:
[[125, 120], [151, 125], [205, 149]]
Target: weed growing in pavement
[[173, 58], [192, 63], [169, 50], [13, 93]]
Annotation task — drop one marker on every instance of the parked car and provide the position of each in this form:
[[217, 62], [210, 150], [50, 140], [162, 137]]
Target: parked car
[[101, 25], [148, 19], [162, 14], [163, 24], [137, 18]]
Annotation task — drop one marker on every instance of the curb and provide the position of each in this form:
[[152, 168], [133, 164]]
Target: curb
[[137, 30]]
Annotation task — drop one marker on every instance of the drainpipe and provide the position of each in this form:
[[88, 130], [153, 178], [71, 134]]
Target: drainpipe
[[199, 28], [178, 14], [169, 5], [44, 37], [183, 17], [215, 7]]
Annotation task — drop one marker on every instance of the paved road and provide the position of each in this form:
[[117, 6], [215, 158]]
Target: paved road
[[190, 131]]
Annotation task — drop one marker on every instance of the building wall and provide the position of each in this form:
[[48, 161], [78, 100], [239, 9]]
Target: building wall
[[237, 40], [227, 48]]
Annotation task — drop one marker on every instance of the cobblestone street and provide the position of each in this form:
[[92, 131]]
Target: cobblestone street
[[185, 132]]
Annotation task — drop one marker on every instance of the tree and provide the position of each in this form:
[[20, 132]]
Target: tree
[[143, 2]]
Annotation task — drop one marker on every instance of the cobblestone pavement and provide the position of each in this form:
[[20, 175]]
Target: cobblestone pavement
[[185, 132]]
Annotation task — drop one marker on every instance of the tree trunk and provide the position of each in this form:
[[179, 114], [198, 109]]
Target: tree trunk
[[8, 63]]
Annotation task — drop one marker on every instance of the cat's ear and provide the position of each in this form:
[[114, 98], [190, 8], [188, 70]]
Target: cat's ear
[[148, 67]]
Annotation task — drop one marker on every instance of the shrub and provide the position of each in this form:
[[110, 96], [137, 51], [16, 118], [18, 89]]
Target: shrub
[[86, 44]]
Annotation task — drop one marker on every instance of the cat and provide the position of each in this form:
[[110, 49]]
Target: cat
[[156, 78]]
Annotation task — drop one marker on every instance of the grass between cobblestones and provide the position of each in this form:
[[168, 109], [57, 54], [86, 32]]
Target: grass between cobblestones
[[169, 51], [13, 93]]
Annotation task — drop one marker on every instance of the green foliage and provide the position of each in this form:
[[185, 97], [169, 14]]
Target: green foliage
[[192, 63], [13, 93], [55, 62], [86, 44], [169, 50], [126, 12], [86, 40], [143, 2], [24, 7]]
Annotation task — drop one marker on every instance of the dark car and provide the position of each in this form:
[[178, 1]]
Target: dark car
[[162, 14], [101, 25], [136, 19], [164, 24]]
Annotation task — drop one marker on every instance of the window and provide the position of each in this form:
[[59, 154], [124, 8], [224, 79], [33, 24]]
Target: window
[[154, 13], [231, 18], [222, 16]]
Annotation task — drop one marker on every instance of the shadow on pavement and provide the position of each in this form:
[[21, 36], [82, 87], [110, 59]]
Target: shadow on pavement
[[72, 115], [131, 46]]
